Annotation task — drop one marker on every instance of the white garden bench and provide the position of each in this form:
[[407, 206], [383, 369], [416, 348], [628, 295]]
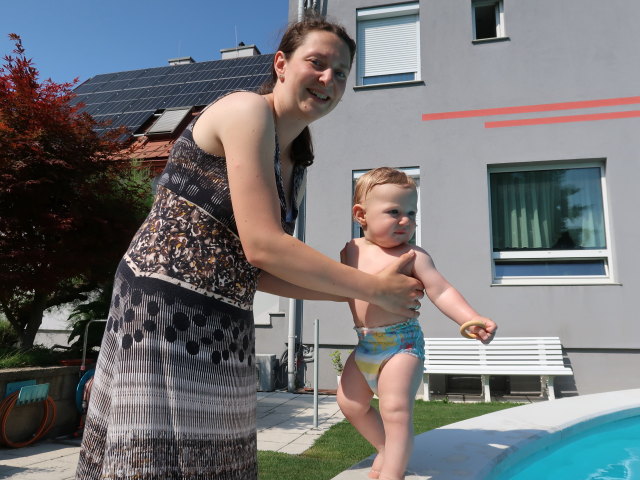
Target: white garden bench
[[503, 356]]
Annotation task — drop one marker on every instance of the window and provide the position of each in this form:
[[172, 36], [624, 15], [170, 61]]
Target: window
[[488, 19], [388, 46], [414, 173], [549, 224], [169, 121]]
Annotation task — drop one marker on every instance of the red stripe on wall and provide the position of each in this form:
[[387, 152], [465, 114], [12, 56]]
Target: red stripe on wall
[[532, 108], [565, 119]]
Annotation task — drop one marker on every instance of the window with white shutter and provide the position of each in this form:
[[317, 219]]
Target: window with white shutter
[[388, 44]]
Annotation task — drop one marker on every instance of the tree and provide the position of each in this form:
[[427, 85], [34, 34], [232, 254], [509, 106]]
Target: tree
[[70, 198]]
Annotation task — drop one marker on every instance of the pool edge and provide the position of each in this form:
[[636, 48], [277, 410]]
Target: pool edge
[[472, 449]]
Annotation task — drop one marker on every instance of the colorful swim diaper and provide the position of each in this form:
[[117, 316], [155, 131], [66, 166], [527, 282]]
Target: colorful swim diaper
[[377, 345]]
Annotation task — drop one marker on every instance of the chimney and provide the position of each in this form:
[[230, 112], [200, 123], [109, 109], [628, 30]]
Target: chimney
[[241, 50], [181, 61]]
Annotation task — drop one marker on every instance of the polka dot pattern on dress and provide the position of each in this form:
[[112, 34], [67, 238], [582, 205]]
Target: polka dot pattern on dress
[[200, 328]]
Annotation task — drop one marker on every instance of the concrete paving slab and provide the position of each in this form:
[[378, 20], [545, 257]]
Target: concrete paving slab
[[40, 454], [9, 472], [285, 431], [280, 436]]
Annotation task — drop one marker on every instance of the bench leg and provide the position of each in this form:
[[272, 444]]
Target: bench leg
[[486, 390], [547, 384], [426, 396]]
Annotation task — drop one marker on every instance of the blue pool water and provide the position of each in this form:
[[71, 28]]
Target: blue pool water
[[610, 451]]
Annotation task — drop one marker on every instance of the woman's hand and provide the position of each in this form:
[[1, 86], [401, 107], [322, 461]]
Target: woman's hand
[[399, 293]]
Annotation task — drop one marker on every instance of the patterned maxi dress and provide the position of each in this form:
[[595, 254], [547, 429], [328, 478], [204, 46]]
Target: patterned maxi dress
[[174, 395]]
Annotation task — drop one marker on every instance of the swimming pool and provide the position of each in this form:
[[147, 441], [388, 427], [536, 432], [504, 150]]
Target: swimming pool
[[483, 447], [606, 448]]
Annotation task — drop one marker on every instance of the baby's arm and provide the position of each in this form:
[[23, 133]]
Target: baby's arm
[[449, 300]]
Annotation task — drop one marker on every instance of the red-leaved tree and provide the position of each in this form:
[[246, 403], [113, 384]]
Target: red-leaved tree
[[69, 202]]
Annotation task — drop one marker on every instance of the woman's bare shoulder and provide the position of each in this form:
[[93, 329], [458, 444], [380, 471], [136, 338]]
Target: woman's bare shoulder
[[238, 112], [239, 105]]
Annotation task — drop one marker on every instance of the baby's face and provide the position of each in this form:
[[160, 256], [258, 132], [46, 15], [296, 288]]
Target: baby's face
[[390, 215]]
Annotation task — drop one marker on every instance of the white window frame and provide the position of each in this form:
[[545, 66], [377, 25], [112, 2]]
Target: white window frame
[[499, 15], [598, 254], [363, 18], [168, 121], [414, 173]]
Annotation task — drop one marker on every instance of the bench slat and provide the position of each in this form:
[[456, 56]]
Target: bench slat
[[465, 341], [492, 354], [494, 362], [497, 348]]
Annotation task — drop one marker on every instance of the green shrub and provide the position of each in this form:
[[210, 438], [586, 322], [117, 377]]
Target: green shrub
[[36, 356], [8, 336]]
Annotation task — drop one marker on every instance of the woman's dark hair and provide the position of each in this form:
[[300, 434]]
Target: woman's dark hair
[[293, 37]]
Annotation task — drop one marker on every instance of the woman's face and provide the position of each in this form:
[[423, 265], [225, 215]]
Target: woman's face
[[315, 75]]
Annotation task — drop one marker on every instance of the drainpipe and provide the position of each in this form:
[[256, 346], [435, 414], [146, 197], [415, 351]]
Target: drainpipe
[[293, 308], [291, 347], [300, 9]]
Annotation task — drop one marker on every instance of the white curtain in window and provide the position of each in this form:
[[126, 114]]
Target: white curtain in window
[[388, 46], [547, 209]]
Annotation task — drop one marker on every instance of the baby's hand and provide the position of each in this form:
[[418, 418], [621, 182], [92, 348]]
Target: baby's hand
[[486, 332]]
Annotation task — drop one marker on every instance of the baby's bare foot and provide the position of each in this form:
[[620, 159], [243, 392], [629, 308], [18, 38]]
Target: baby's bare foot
[[376, 467]]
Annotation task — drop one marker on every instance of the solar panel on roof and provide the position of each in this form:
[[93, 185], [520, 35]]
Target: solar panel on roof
[[132, 96]]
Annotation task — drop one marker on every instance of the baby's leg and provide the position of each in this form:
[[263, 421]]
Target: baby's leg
[[354, 399], [397, 387]]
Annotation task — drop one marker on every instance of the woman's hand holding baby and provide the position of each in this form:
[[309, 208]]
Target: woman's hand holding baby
[[399, 293]]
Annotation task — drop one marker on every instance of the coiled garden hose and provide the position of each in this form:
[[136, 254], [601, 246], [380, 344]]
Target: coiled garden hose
[[48, 420]]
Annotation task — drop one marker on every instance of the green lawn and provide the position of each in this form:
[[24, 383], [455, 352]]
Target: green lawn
[[342, 446]]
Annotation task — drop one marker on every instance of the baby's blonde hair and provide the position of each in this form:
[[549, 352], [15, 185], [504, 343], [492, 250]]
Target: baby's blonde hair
[[380, 176]]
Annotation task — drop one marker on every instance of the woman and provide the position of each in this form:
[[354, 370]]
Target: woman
[[174, 390]]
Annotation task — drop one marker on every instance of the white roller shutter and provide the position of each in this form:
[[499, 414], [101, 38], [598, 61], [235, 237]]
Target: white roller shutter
[[387, 46], [169, 121]]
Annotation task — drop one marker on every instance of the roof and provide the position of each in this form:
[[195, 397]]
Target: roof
[[131, 98]]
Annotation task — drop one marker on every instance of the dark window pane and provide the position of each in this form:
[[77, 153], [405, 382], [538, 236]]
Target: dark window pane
[[397, 77], [486, 22], [550, 269]]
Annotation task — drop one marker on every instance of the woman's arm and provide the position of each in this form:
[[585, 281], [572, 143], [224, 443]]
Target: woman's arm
[[244, 125], [269, 284]]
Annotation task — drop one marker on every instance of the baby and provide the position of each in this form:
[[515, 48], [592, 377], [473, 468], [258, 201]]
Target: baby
[[389, 357]]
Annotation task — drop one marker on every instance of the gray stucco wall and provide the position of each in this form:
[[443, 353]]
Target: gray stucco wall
[[574, 50]]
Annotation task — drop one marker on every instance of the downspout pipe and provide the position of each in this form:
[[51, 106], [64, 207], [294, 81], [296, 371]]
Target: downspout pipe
[[293, 309]]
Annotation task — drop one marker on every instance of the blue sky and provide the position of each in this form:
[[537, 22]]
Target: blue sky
[[83, 38]]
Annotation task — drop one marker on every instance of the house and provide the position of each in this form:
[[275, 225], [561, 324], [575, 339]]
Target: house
[[520, 122]]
